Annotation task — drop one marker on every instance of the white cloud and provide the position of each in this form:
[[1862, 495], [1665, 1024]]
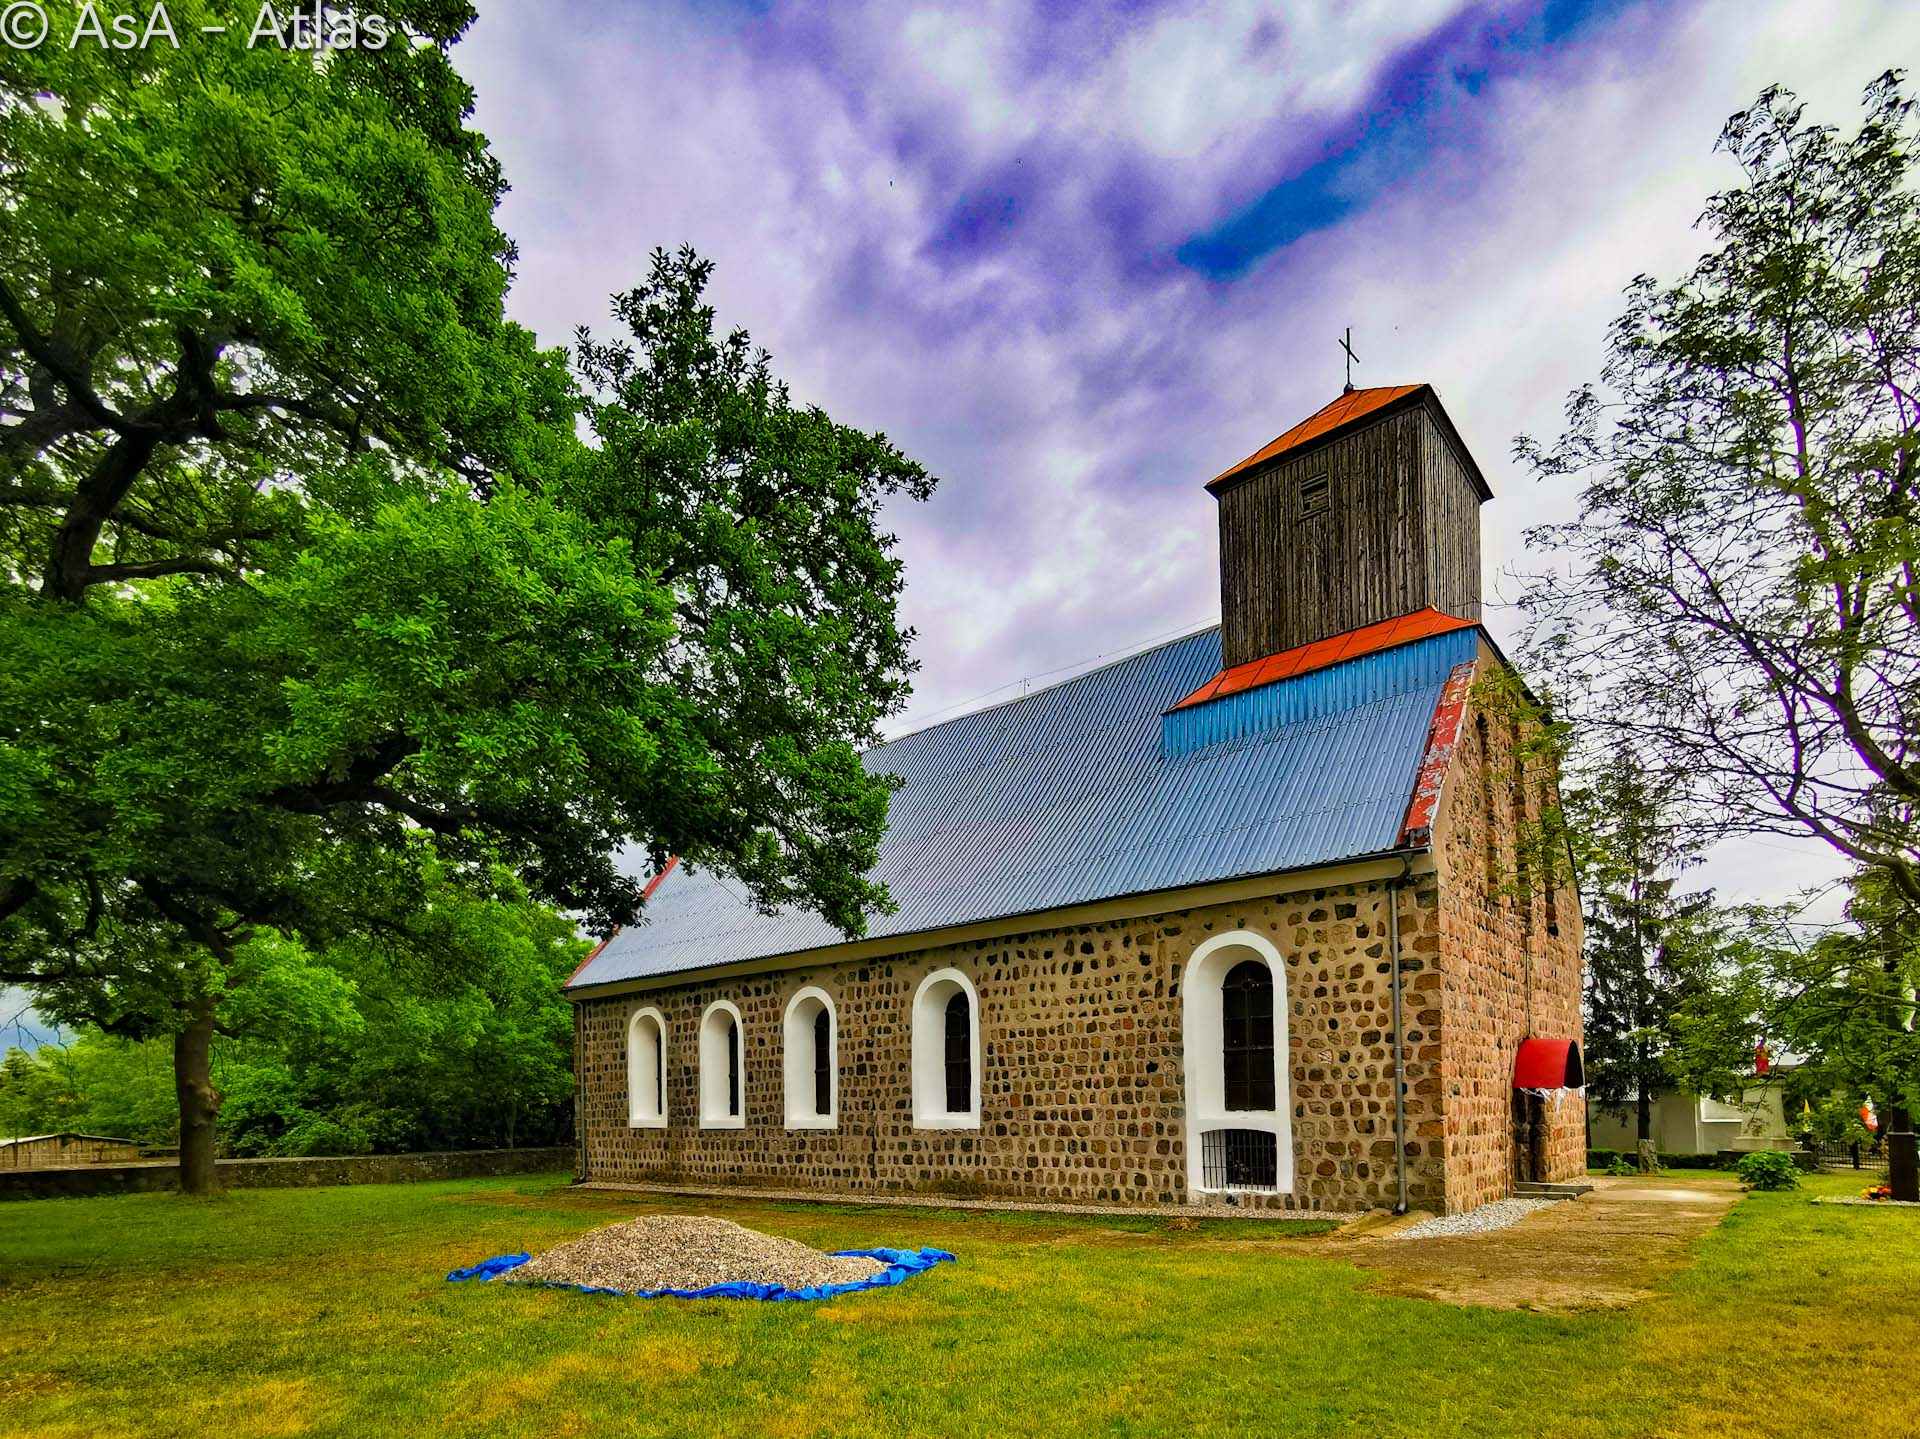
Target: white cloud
[[1072, 385]]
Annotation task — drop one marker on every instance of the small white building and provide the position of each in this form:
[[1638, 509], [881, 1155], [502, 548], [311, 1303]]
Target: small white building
[[1685, 1123]]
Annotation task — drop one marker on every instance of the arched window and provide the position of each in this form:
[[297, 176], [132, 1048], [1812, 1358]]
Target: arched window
[[1233, 1026], [812, 1061], [733, 1067], [722, 1068], [946, 1052], [1489, 828], [647, 1070], [959, 1054], [1246, 1015], [822, 1064]]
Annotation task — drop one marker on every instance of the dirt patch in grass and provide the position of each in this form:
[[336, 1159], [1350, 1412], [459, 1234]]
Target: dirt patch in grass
[[1605, 1250]]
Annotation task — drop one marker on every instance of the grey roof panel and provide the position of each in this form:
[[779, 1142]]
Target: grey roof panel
[[1075, 794]]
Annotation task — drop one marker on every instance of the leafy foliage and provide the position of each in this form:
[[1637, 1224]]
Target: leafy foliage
[[1646, 945], [387, 1063], [96, 1085], [1767, 1169], [1736, 597], [1831, 1116], [1844, 999], [319, 610]]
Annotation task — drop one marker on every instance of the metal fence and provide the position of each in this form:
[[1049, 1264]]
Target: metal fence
[[1866, 1159]]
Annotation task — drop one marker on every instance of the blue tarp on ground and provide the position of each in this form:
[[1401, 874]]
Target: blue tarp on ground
[[902, 1264]]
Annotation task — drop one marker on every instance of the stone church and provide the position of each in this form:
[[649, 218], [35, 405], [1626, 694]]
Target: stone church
[[1237, 920]]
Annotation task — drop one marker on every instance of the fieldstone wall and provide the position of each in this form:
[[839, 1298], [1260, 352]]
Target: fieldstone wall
[[60, 1149], [1508, 974], [1081, 1085], [142, 1178]]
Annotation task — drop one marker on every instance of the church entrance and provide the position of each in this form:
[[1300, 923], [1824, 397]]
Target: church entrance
[[1529, 1126]]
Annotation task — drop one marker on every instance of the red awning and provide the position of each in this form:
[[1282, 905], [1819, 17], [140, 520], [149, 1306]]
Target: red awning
[[1548, 1064]]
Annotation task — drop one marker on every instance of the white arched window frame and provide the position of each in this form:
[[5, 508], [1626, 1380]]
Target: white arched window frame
[[801, 1056], [647, 1069], [930, 1000], [721, 1028], [1203, 1058]]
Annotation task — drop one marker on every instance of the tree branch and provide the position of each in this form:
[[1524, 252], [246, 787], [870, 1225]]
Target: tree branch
[[55, 360], [155, 569]]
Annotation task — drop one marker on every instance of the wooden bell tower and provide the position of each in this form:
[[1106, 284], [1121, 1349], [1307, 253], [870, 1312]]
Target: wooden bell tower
[[1366, 510]]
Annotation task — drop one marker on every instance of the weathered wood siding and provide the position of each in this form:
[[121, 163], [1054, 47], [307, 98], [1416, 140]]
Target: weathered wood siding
[[1401, 530], [1453, 528]]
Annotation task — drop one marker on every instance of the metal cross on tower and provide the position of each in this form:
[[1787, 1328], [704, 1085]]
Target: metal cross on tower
[[1352, 359]]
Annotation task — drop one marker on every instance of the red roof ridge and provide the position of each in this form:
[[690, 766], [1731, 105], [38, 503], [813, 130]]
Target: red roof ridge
[[1343, 409], [1325, 653]]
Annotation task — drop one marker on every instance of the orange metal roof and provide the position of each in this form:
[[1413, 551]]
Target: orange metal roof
[[1350, 406], [1304, 659]]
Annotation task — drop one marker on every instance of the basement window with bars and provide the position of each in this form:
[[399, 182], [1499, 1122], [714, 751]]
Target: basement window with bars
[[1240, 1159], [1316, 495]]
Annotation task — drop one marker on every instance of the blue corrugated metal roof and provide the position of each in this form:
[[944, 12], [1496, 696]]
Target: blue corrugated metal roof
[[1337, 688], [1074, 794]]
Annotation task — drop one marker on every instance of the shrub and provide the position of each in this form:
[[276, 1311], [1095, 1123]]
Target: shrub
[[1601, 1158], [1620, 1166], [1768, 1169], [1692, 1161]]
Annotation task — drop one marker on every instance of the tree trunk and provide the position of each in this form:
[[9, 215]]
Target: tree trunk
[[1645, 1114], [199, 1101], [1903, 1178]]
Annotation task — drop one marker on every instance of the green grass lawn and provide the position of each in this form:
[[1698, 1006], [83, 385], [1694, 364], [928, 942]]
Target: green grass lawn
[[324, 1311]]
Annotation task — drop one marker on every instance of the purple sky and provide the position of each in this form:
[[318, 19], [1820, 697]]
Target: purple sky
[[1078, 263]]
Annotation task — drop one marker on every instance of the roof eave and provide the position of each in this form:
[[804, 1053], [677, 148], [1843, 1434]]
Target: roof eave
[[823, 954], [1422, 394]]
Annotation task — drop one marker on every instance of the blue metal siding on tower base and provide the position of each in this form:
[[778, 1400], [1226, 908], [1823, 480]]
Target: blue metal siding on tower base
[[1318, 693], [1079, 793]]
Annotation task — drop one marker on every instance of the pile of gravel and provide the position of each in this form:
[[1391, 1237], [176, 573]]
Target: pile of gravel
[[1484, 1220], [670, 1251]]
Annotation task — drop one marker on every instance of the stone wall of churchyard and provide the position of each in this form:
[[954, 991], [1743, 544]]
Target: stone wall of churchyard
[[58, 1149], [1081, 1085], [1509, 948], [143, 1178]]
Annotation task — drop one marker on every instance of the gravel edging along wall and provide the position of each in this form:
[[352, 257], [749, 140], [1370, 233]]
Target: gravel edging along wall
[[946, 1201]]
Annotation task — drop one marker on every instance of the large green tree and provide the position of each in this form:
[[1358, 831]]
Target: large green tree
[[1841, 1000], [1644, 937], [483, 1059], [1739, 595], [313, 596], [453, 1036]]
